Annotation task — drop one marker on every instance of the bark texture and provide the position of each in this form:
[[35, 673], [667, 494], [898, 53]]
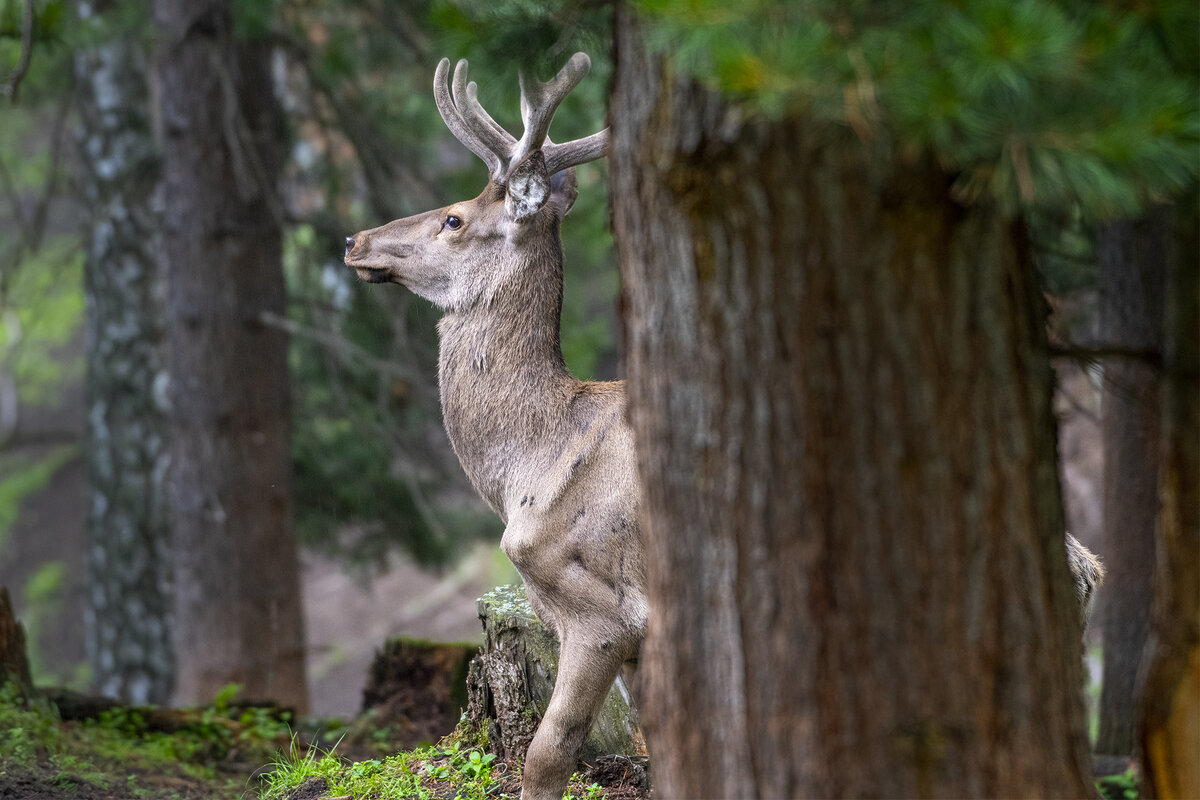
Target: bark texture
[[1132, 262], [14, 658], [841, 397], [1170, 723], [510, 682], [129, 626], [238, 615]]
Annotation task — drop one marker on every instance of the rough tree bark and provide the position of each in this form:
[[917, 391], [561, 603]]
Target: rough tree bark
[[14, 658], [238, 616], [840, 390], [128, 618], [510, 681], [1170, 719], [1132, 266]]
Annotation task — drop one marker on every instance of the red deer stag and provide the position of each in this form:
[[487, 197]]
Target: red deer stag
[[552, 455]]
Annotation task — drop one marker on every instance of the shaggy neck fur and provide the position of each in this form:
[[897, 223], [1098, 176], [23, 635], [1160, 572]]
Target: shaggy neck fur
[[504, 385]]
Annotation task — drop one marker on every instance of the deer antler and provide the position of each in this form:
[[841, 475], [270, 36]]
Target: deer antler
[[458, 102]]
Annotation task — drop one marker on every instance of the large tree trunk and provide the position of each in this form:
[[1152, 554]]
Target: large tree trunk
[[1170, 723], [129, 631], [840, 391], [1132, 261], [238, 616]]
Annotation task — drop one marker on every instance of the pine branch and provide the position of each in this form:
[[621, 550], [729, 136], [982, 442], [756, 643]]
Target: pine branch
[[345, 348]]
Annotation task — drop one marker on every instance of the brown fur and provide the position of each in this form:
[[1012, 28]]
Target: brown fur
[[552, 455]]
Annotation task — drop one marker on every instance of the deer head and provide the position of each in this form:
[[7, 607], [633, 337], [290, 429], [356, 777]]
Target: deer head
[[460, 255]]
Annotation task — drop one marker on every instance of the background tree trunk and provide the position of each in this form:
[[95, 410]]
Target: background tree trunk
[[128, 630], [1170, 720], [14, 659], [237, 595], [839, 386], [1132, 268]]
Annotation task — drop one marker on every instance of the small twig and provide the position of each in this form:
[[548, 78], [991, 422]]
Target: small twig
[[32, 226], [14, 80], [41, 211], [24, 227], [338, 345]]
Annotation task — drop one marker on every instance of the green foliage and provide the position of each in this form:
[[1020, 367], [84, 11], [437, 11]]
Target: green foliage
[[1034, 103], [49, 17], [392, 777], [20, 476], [253, 19], [592, 791], [460, 762], [119, 749], [46, 53], [1119, 787], [28, 730], [43, 601], [41, 308], [460, 766], [536, 35]]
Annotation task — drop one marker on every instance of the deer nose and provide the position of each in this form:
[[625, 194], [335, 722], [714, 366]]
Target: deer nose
[[349, 244]]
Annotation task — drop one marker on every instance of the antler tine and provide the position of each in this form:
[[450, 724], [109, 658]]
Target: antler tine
[[574, 153], [486, 129], [508, 140], [539, 101], [454, 118]]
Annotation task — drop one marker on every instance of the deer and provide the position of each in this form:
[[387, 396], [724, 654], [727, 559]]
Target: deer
[[553, 456]]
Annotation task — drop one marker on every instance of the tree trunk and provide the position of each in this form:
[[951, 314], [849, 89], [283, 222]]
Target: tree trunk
[[129, 630], [1170, 720], [509, 683], [238, 615], [839, 385], [1132, 261], [14, 659]]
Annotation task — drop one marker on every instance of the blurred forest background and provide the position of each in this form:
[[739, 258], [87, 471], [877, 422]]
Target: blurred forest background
[[340, 134]]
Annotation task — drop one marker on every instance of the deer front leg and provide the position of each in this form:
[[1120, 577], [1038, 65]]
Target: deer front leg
[[585, 674]]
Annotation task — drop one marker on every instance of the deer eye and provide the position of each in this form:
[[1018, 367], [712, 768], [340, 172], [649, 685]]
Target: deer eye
[[452, 222]]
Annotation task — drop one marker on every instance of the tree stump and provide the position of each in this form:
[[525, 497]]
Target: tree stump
[[14, 662], [509, 683], [418, 688]]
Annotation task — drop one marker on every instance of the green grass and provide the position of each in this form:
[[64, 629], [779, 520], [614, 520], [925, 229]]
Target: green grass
[[459, 761], [459, 766]]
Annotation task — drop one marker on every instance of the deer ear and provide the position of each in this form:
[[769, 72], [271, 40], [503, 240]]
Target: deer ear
[[528, 187], [564, 189]]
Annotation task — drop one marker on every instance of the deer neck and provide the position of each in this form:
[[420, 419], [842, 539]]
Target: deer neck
[[504, 385]]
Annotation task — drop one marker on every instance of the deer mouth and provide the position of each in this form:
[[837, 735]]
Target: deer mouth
[[373, 274]]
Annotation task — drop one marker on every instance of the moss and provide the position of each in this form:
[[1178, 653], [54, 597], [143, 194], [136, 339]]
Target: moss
[[118, 750]]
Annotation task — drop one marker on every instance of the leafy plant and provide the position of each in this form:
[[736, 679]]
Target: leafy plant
[[1119, 787]]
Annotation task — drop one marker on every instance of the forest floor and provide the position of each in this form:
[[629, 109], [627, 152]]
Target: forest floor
[[224, 751]]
